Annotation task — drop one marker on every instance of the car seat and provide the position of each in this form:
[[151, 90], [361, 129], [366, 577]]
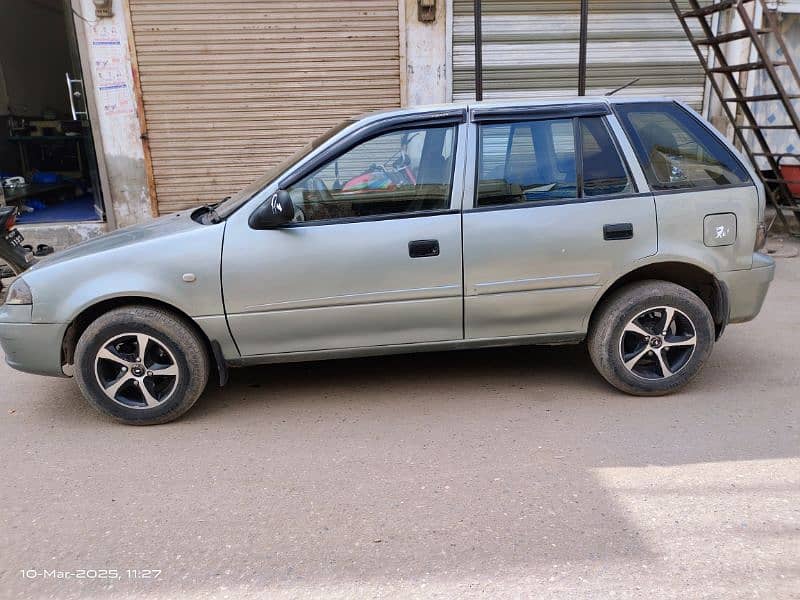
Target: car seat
[[660, 145]]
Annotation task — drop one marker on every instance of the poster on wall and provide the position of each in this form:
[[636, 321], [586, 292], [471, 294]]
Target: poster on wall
[[116, 100], [109, 66]]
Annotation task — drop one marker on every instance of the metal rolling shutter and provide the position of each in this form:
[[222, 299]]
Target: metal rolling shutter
[[531, 49], [232, 88]]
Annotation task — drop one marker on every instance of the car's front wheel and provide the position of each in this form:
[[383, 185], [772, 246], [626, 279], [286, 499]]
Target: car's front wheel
[[651, 337], [141, 365]]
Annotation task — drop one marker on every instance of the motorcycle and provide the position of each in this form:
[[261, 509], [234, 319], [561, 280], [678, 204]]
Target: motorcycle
[[14, 258], [394, 173]]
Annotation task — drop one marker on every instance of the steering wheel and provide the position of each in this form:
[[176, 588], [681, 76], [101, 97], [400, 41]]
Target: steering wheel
[[397, 161], [400, 159]]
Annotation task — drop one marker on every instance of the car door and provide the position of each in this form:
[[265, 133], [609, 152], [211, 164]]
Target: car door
[[556, 213], [374, 255]]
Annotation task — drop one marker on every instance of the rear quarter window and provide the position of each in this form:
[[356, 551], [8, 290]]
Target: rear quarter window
[[676, 150]]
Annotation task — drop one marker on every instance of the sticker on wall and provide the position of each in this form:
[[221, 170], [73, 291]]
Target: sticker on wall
[[106, 35], [110, 70], [115, 99]]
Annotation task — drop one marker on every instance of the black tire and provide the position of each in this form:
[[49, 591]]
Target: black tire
[[171, 345], [657, 364]]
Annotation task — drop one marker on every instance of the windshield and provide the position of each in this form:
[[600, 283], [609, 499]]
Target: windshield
[[230, 205]]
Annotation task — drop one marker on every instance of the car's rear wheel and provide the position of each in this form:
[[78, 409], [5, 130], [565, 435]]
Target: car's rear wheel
[[141, 365], [651, 337]]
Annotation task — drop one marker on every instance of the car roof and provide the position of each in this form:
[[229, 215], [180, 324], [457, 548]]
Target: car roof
[[469, 105]]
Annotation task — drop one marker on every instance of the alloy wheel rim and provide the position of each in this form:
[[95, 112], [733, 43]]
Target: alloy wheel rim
[[658, 343], [136, 370]]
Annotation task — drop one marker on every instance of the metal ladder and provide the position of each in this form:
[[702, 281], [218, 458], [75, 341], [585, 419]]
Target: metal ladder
[[739, 103]]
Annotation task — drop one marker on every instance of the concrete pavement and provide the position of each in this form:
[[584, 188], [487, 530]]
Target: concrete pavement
[[505, 473]]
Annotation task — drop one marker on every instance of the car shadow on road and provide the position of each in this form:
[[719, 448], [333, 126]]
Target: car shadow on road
[[527, 365]]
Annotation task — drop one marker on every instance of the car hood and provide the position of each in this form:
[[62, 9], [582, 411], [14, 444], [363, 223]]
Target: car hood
[[169, 225]]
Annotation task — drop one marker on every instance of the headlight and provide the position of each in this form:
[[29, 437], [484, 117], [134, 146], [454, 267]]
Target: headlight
[[19, 293]]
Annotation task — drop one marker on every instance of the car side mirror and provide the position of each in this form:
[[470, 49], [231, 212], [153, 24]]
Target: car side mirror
[[276, 211]]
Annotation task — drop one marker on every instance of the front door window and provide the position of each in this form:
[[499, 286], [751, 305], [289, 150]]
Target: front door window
[[399, 172]]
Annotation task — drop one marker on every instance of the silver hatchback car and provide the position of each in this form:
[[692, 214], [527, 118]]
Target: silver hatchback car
[[630, 223]]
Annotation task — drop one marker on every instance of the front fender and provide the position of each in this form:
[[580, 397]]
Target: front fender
[[181, 270]]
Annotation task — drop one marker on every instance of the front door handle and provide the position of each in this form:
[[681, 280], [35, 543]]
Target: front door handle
[[618, 231], [423, 248]]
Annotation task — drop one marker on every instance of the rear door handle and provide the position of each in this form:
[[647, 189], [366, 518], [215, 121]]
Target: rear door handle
[[618, 231], [423, 248]]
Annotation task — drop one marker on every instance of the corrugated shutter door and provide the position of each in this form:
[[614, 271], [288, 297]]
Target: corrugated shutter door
[[531, 49], [232, 88]]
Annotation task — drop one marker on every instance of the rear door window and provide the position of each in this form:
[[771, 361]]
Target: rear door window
[[536, 161], [676, 150], [604, 172], [527, 161]]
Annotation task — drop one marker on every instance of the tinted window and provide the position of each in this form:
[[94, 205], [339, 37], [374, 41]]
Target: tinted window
[[526, 162], [676, 150], [394, 173], [603, 170]]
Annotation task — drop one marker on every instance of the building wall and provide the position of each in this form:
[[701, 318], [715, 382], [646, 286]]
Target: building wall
[[426, 69], [758, 82], [108, 76], [531, 49], [773, 112]]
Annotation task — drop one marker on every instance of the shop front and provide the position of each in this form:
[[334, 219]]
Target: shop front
[[231, 89], [48, 163], [113, 112], [530, 49]]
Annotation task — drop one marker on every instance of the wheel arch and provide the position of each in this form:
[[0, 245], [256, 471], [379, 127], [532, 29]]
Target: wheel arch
[[704, 283], [90, 313]]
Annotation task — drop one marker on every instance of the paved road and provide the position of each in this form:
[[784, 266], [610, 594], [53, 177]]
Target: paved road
[[492, 474]]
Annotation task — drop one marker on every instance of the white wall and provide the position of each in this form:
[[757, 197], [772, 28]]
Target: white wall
[[426, 76], [106, 58]]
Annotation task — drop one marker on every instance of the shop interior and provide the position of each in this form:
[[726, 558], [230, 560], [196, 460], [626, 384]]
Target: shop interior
[[47, 162]]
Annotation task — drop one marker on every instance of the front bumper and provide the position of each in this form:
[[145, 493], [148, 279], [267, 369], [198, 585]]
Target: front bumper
[[30, 347], [748, 288]]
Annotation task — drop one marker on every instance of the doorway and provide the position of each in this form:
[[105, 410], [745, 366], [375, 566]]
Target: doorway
[[48, 164]]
